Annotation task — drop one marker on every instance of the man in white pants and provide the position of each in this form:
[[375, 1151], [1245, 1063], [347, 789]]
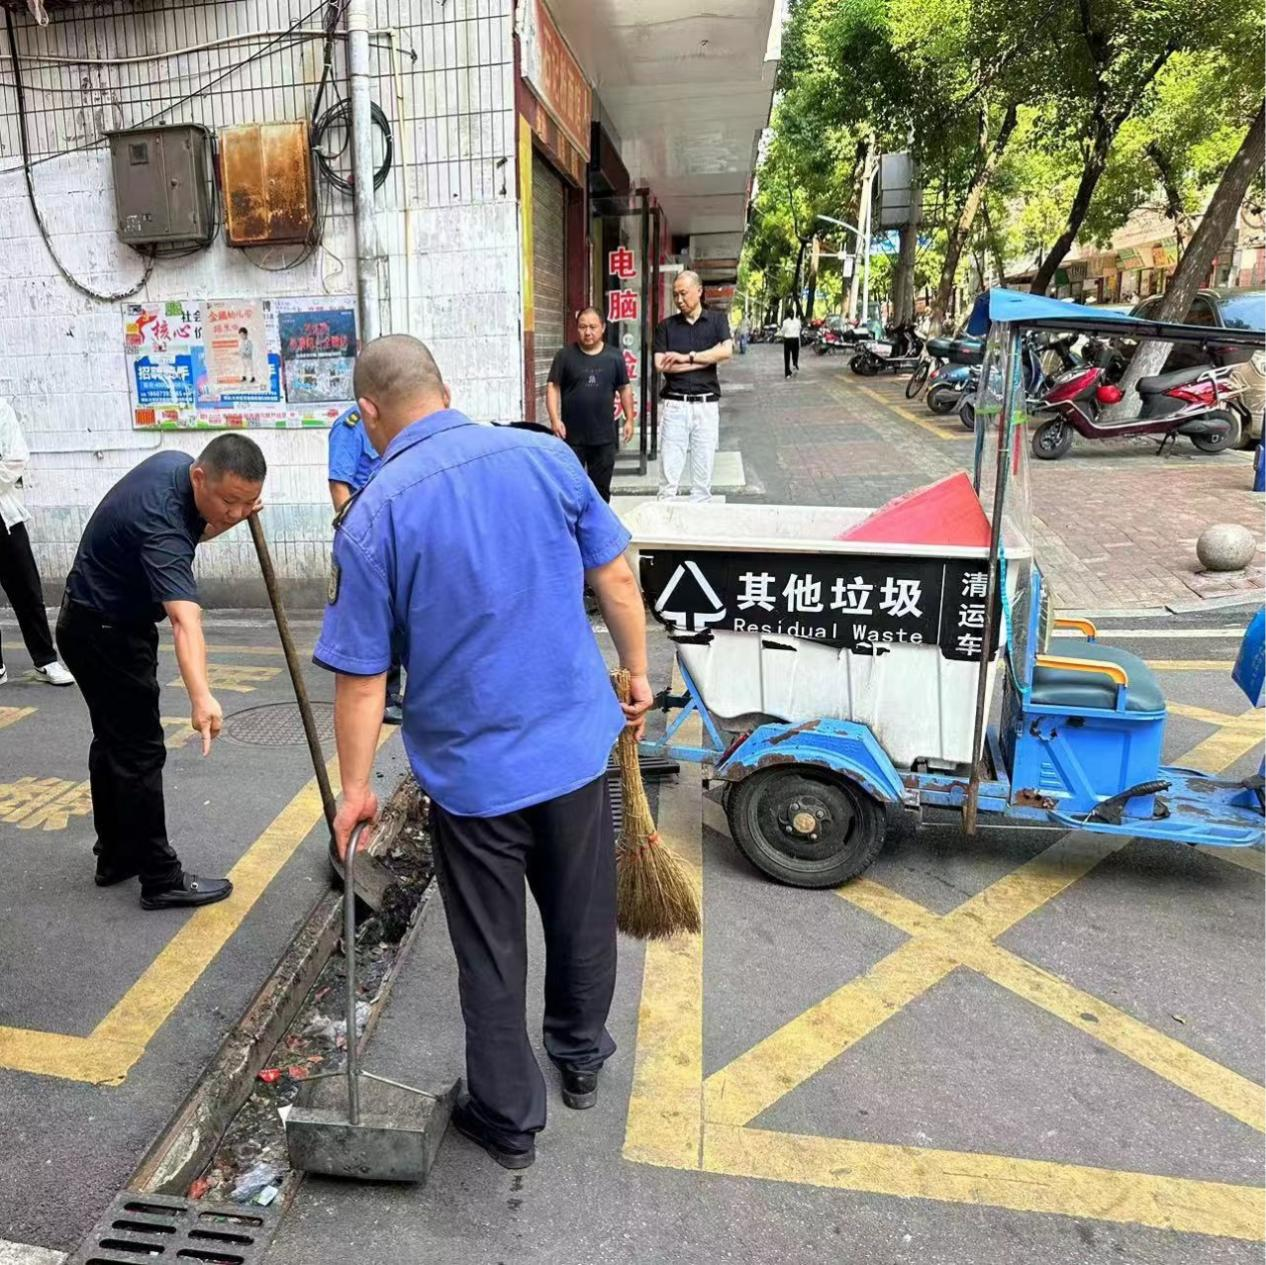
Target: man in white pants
[[688, 348]]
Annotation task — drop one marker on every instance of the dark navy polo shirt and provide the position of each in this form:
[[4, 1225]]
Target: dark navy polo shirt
[[137, 550]]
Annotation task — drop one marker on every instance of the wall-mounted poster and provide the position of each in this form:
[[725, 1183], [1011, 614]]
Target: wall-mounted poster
[[318, 350], [214, 364], [241, 361], [160, 341]]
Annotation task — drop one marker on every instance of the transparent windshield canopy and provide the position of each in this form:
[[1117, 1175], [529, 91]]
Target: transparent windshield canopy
[[1001, 477]]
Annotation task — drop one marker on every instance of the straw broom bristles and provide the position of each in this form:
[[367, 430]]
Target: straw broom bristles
[[655, 897]]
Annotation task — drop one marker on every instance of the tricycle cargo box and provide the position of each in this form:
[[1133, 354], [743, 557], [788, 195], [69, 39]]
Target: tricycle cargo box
[[776, 618]]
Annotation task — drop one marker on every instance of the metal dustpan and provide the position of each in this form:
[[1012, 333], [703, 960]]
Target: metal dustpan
[[353, 1124]]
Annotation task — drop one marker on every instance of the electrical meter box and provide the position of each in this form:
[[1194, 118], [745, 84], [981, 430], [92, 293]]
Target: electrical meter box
[[269, 190], [162, 185]]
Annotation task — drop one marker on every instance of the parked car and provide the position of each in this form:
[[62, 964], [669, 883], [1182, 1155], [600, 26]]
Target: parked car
[[1222, 308]]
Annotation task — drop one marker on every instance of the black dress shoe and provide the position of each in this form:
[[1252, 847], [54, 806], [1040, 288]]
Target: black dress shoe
[[109, 875], [580, 1089], [466, 1124], [191, 890]]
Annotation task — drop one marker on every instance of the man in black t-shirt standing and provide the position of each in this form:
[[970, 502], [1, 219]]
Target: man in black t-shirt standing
[[688, 347], [134, 567], [584, 380]]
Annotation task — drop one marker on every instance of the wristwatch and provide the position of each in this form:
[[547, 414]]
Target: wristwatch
[[692, 357]]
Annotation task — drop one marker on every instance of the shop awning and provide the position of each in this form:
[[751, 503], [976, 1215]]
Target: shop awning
[[688, 94]]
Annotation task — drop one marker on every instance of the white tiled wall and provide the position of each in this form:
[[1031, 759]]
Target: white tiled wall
[[448, 226]]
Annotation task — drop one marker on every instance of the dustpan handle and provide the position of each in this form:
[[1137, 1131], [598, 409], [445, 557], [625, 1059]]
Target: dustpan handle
[[349, 952]]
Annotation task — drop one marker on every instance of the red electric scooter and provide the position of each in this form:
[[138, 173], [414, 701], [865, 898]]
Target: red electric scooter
[[1186, 402]]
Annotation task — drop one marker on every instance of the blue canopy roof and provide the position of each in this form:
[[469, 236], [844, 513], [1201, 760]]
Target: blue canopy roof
[[1037, 311]]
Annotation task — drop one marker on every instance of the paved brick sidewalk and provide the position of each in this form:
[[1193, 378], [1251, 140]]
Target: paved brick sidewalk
[[1116, 526]]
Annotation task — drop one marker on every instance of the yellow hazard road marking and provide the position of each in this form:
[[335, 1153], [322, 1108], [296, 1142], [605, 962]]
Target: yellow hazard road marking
[[46, 803], [11, 715], [665, 1109], [231, 677], [665, 1127], [1022, 1185], [107, 1055], [1188, 665], [941, 432]]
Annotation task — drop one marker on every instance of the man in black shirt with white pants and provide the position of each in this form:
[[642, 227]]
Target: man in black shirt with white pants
[[688, 347], [584, 380]]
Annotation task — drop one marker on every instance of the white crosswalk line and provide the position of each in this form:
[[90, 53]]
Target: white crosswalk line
[[26, 1254]]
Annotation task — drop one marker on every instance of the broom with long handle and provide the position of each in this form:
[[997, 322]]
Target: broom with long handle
[[655, 897]]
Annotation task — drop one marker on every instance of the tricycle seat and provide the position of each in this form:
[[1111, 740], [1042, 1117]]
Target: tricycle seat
[[1053, 687]]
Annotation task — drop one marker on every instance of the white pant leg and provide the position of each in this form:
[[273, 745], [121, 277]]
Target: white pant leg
[[705, 427], [674, 444]]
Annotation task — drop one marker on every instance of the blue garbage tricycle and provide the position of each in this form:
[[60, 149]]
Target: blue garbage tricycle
[[834, 679]]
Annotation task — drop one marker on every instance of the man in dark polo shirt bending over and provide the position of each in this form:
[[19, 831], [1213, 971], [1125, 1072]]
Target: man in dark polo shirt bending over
[[688, 348], [134, 568]]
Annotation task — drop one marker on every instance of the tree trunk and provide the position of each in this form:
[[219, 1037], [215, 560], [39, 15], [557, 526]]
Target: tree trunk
[[989, 157], [1194, 264], [903, 277], [1090, 174], [795, 279], [813, 283], [862, 240]]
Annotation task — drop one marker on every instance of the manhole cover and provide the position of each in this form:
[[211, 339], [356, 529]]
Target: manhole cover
[[278, 725]]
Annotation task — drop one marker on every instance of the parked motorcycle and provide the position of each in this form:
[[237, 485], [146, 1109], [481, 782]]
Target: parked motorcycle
[[1188, 402], [946, 386], [900, 353], [832, 340], [934, 369], [1041, 360]]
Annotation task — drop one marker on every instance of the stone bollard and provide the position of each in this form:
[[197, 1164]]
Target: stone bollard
[[1226, 547]]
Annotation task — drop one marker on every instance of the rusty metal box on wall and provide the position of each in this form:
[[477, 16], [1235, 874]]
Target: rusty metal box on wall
[[162, 185], [269, 192]]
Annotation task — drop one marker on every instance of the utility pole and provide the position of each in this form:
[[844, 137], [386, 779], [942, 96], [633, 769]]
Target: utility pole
[[863, 236]]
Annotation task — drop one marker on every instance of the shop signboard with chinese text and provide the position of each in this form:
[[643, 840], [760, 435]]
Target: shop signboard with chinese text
[[554, 75], [624, 316]]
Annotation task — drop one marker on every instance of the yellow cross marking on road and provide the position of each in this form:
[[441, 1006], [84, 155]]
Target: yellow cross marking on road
[[178, 731], [11, 715], [236, 679], [680, 1119]]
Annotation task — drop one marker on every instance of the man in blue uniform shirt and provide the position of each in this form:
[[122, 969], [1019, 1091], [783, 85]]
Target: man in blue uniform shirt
[[352, 463], [471, 546]]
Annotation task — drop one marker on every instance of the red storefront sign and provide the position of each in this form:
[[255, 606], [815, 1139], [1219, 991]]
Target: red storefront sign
[[554, 75]]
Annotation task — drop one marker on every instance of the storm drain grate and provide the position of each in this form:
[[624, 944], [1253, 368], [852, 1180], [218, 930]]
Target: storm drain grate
[[278, 725], [138, 1228]]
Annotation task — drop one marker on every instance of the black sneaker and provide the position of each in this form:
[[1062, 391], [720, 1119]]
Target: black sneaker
[[580, 1089], [393, 714], [191, 890], [466, 1124]]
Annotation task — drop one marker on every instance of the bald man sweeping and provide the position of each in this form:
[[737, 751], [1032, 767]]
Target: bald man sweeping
[[470, 549]]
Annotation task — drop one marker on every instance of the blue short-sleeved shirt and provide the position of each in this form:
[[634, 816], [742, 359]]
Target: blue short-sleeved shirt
[[353, 459], [470, 547]]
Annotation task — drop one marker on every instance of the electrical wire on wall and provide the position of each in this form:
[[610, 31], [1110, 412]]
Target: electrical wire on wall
[[73, 281]]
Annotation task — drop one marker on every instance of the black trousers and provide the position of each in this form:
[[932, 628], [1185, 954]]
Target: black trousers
[[599, 463], [790, 355], [565, 850], [116, 670], [20, 580]]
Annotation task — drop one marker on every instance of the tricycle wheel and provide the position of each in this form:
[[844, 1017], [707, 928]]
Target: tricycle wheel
[[1052, 439], [805, 826]]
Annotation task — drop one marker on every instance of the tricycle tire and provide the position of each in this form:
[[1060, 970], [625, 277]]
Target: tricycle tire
[[1220, 443], [1052, 440], [761, 810]]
